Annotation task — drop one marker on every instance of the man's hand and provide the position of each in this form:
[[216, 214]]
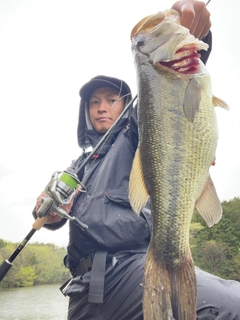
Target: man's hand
[[194, 16], [53, 217]]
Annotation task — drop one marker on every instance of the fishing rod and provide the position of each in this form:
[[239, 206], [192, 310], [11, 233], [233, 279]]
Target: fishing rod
[[60, 191]]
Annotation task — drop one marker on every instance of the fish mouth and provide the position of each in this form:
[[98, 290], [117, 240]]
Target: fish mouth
[[185, 61]]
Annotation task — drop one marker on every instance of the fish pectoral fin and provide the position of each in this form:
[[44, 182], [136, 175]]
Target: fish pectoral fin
[[209, 205], [192, 99], [138, 194], [217, 102]]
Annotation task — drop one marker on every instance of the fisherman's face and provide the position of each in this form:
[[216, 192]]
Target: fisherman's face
[[105, 106]]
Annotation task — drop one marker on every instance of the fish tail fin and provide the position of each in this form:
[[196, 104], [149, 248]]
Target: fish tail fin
[[169, 293], [184, 291]]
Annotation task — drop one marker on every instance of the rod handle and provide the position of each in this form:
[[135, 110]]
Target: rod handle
[[39, 222]]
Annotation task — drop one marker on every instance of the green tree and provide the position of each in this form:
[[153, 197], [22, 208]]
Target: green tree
[[214, 257], [2, 243], [38, 264], [25, 277], [236, 263], [219, 244]]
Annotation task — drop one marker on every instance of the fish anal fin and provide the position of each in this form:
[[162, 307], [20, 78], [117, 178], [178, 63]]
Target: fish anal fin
[[209, 205], [138, 194], [192, 99], [217, 102]]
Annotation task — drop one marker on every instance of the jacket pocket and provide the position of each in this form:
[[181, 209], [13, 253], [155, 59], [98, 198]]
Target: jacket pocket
[[119, 197]]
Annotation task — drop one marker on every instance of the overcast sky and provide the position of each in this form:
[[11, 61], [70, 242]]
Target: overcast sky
[[49, 48]]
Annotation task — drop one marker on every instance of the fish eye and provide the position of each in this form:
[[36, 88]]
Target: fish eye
[[141, 42]]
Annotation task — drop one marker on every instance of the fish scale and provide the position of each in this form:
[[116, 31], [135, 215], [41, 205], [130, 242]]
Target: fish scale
[[177, 145]]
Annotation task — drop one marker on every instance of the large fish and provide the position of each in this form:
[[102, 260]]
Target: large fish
[[177, 145]]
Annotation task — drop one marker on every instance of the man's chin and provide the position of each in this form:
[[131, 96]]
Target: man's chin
[[103, 127]]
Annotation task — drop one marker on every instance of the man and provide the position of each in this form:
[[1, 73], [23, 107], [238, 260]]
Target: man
[[107, 260]]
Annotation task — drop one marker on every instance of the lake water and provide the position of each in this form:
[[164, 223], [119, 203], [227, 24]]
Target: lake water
[[44, 302]]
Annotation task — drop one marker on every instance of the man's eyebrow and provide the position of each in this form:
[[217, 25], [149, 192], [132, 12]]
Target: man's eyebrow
[[112, 94], [93, 97]]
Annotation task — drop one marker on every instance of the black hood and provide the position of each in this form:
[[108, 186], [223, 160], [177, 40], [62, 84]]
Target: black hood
[[87, 135]]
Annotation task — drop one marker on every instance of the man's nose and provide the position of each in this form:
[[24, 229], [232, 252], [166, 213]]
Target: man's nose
[[102, 106]]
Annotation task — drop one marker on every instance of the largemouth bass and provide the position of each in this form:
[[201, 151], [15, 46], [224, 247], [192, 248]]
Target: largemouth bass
[[177, 144]]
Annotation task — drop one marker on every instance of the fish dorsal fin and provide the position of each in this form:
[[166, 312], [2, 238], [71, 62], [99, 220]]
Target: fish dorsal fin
[[217, 102], [192, 99], [209, 205], [138, 194]]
